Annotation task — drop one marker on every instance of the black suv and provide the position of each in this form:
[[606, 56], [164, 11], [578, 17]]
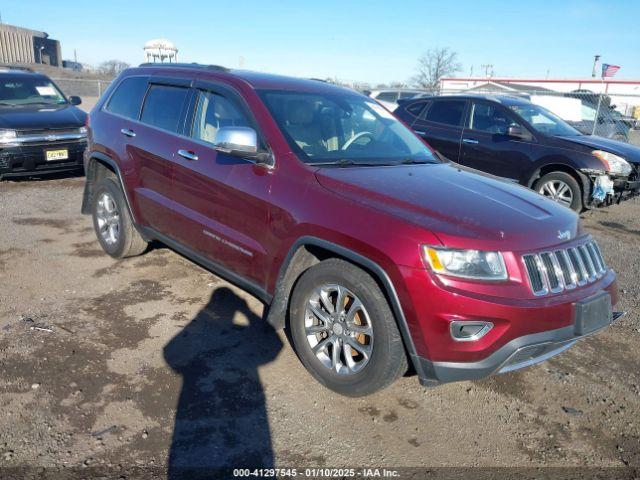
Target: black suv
[[515, 139], [41, 130]]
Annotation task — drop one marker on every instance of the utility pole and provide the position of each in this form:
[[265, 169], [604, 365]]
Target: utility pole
[[596, 59], [75, 55], [487, 67]]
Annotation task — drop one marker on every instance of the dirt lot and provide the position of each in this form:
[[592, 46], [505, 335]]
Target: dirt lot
[[111, 366]]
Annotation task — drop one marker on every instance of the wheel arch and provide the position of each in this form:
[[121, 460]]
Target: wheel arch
[[582, 179], [99, 166], [308, 251]]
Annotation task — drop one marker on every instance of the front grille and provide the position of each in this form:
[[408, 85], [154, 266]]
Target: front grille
[[565, 269], [47, 131]]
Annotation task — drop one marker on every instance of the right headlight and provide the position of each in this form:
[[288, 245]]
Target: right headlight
[[472, 264], [613, 163]]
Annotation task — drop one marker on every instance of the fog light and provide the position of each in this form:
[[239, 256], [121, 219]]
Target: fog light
[[469, 331]]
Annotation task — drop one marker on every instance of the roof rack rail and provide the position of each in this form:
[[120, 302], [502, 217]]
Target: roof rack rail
[[4, 66], [185, 65]]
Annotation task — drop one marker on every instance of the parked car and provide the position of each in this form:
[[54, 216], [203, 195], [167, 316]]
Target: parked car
[[372, 251], [390, 97], [510, 137], [41, 130]]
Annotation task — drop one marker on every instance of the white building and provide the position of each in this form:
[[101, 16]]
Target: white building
[[160, 50], [625, 93]]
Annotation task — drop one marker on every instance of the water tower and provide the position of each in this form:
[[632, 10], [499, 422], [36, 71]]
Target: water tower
[[160, 50]]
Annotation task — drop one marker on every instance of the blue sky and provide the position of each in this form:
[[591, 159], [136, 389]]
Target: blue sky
[[374, 41]]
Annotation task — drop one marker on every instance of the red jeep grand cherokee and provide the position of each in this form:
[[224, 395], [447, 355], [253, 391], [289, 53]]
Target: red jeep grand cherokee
[[356, 236]]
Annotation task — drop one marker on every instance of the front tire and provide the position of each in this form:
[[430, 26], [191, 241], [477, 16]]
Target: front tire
[[343, 330], [112, 222], [562, 188]]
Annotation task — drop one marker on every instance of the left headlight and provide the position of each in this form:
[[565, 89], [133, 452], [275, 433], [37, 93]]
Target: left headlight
[[83, 131], [613, 163], [472, 264], [7, 136]]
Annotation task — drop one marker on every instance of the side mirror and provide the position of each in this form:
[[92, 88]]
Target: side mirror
[[74, 100], [516, 131], [241, 142]]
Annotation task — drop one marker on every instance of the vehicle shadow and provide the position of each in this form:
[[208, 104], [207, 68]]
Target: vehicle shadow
[[221, 419]]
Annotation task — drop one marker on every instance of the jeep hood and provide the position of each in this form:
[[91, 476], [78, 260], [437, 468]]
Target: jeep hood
[[629, 152], [463, 208]]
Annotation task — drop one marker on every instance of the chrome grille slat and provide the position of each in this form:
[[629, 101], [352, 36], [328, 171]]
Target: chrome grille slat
[[594, 258], [564, 269], [586, 260]]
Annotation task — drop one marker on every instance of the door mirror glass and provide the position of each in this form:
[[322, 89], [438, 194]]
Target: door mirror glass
[[73, 100]]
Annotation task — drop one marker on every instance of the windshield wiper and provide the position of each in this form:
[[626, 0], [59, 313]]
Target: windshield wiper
[[411, 161], [346, 162]]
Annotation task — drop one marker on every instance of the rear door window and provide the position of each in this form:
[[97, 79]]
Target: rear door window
[[163, 107], [447, 112], [127, 98]]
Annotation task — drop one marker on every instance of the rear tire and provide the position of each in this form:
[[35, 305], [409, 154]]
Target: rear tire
[[370, 354], [562, 188], [112, 222]]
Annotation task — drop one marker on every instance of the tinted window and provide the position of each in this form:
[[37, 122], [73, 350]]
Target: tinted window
[[415, 108], [163, 107], [448, 112], [127, 98], [387, 96], [490, 118], [214, 112], [407, 94]]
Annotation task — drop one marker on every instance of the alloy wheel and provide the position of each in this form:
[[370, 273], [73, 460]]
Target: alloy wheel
[[558, 191], [338, 329], [108, 218]]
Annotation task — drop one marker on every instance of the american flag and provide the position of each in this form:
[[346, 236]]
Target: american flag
[[609, 70]]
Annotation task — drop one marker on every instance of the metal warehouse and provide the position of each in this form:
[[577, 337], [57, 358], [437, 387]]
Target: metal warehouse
[[22, 45]]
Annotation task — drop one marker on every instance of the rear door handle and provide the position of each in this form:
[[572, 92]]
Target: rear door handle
[[188, 155], [420, 132], [127, 132], [470, 141]]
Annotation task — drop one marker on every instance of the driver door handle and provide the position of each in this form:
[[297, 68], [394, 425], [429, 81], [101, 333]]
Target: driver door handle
[[470, 141], [188, 155], [128, 132]]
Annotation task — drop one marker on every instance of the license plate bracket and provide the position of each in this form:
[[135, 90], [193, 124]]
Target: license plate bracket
[[592, 313]]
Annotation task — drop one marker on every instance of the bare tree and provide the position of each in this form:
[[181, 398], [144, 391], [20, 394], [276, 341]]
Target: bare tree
[[434, 64], [112, 67]]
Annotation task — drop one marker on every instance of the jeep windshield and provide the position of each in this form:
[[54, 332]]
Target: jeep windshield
[[543, 121], [16, 91], [344, 130]]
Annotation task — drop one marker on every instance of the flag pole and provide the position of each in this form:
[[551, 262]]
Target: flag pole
[[595, 120]]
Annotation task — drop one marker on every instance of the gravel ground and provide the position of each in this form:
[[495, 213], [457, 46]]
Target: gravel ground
[[112, 367]]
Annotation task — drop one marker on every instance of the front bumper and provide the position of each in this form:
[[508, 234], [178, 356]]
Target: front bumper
[[519, 353], [27, 160]]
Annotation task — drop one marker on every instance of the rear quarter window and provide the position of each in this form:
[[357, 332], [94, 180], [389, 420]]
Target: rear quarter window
[[447, 112], [127, 98], [416, 108]]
